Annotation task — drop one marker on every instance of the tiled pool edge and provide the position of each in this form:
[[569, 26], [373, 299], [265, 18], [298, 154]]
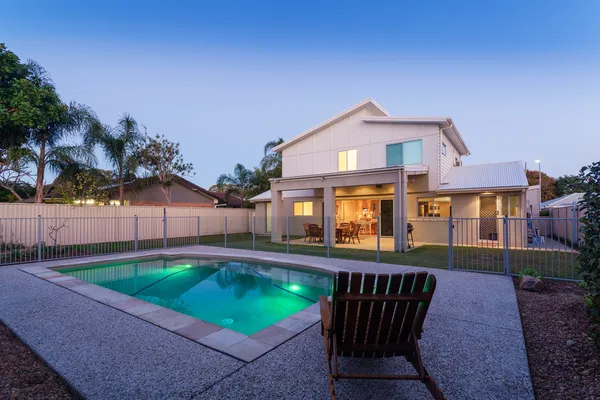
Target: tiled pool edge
[[242, 347]]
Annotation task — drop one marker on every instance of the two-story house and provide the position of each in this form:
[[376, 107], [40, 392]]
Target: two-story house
[[363, 164]]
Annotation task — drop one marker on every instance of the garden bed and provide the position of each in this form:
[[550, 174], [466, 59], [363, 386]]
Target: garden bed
[[563, 360], [23, 375]]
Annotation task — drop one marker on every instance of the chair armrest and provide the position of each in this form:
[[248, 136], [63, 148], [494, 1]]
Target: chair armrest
[[325, 312]]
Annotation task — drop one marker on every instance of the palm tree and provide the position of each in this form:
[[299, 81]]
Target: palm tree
[[46, 148], [238, 184], [260, 181], [271, 162], [119, 145]]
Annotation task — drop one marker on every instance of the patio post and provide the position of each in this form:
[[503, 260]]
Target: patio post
[[198, 229], [276, 213], [329, 211], [327, 236], [400, 210]]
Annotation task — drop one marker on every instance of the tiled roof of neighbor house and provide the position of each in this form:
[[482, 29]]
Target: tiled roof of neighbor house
[[231, 200], [566, 200], [485, 176], [266, 196]]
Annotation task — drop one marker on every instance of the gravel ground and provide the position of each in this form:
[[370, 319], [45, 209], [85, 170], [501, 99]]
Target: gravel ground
[[563, 361], [23, 375]]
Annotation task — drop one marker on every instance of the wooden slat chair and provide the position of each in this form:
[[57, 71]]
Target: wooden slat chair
[[381, 316]]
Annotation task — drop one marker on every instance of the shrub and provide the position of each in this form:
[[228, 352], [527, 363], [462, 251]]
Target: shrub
[[529, 272], [589, 252]]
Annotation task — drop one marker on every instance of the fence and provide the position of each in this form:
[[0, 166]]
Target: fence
[[511, 245], [493, 245]]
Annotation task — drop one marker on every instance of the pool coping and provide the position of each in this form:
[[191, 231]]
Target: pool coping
[[246, 348]]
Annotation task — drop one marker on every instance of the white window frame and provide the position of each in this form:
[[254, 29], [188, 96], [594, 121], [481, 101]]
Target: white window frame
[[304, 208], [347, 153]]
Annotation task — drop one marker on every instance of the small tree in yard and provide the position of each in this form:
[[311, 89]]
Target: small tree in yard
[[83, 186], [589, 253], [163, 160]]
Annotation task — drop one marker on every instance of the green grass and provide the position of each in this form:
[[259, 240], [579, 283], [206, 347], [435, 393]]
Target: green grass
[[547, 263]]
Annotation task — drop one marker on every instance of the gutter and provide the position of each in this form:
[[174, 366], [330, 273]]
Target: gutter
[[480, 190], [348, 173]]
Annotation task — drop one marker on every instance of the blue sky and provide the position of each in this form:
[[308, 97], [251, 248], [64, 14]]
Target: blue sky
[[520, 78]]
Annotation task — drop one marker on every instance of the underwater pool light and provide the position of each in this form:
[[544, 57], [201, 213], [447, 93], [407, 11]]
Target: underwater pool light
[[295, 288]]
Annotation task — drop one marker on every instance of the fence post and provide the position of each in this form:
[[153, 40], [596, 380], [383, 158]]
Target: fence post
[[225, 232], [574, 238], [198, 229], [39, 235], [506, 243], [135, 232], [254, 232], [378, 238], [165, 228], [327, 238], [450, 241], [287, 233]]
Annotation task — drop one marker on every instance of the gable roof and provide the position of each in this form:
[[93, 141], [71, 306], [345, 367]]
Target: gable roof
[[566, 200], [230, 200], [153, 180], [486, 176], [368, 103]]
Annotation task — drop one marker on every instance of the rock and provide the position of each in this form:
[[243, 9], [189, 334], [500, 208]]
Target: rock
[[532, 284]]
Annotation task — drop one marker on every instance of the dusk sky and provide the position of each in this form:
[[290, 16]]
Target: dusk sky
[[521, 79]]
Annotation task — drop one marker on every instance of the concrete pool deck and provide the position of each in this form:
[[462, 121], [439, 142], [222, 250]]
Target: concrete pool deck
[[472, 345]]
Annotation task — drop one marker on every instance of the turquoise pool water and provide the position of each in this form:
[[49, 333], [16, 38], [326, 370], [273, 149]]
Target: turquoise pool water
[[242, 296]]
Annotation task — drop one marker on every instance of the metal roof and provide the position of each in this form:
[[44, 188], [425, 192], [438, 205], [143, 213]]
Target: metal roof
[[562, 201], [485, 176]]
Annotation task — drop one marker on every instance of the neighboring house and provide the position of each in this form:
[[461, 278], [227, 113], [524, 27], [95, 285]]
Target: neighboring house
[[563, 201], [363, 164], [148, 192]]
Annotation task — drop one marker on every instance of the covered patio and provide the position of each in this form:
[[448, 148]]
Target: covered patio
[[351, 197]]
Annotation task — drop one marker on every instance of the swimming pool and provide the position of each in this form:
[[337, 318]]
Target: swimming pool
[[243, 296]]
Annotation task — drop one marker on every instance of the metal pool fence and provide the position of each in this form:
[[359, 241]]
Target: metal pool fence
[[493, 245]]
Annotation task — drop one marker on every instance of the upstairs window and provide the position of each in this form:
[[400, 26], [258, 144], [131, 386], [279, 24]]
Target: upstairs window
[[434, 206], [303, 208], [347, 160], [444, 149], [404, 153]]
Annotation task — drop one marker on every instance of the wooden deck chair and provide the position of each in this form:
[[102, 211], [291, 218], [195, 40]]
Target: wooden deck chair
[[380, 316]]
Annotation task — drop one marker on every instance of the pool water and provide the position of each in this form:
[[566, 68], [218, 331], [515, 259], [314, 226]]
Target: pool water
[[243, 296]]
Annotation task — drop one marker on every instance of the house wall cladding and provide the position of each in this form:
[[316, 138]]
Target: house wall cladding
[[66, 224]]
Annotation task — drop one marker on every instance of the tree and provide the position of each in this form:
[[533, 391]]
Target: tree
[[589, 251], [14, 172], [119, 145], [83, 186], [260, 181], [18, 100], [238, 184], [271, 161], [548, 184], [568, 184], [163, 160]]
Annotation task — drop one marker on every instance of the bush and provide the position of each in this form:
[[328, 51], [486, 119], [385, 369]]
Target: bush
[[529, 272], [589, 252]]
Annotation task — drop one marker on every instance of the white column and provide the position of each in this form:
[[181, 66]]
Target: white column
[[329, 211], [403, 211], [400, 213], [276, 214]]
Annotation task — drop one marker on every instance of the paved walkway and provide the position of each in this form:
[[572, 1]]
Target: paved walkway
[[473, 344]]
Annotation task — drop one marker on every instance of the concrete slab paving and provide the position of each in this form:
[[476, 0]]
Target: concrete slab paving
[[473, 343]]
